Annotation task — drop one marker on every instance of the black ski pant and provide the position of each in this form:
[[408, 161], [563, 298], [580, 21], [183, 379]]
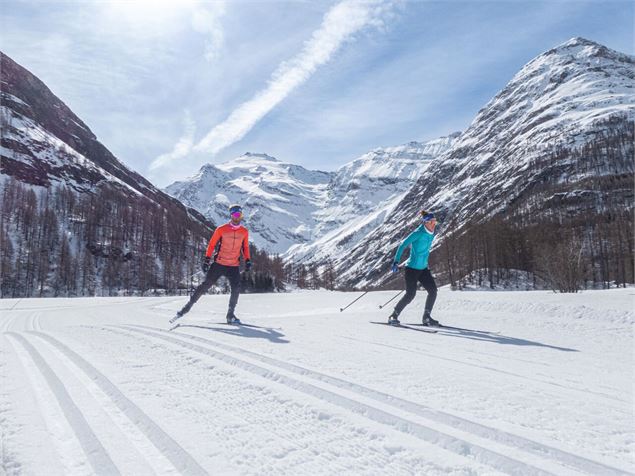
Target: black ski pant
[[216, 271], [413, 278]]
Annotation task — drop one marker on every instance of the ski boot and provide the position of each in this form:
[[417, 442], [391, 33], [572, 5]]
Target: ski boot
[[179, 315], [231, 318], [428, 321], [393, 320]]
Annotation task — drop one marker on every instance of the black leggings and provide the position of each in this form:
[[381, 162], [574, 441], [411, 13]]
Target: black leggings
[[413, 277], [216, 271]]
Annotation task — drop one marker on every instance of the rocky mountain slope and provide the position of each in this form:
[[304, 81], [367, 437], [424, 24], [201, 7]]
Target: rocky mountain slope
[[44, 143], [560, 133], [362, 194], [279, 198], [308, 214], [74, 220]]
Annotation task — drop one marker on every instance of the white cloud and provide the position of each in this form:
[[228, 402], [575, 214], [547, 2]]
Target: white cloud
[[182, 148], [208, 21], [339, 25]]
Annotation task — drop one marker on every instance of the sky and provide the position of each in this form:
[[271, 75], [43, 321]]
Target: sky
[[168, 86]]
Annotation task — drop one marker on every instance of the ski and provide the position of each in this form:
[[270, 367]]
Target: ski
[[175, 318], [404, 326], [174, 327], [452, 328]]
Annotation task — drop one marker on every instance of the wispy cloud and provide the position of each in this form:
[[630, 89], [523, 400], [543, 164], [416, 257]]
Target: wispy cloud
[[181, 148], [339, 26], [208, 21]]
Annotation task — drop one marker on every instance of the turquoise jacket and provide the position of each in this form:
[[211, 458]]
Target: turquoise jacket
[[421, 241]]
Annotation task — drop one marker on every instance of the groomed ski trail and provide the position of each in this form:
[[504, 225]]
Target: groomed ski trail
[[234, 405], [132, 442], [506, 443]]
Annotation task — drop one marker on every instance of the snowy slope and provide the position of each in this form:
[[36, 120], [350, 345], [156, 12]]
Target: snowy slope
[[279, 198], [534, 131], [43, 144], [363, 193], [541, 385], [301, 212]]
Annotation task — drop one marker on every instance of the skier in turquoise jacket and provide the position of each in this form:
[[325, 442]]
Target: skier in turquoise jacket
[[417, 271]]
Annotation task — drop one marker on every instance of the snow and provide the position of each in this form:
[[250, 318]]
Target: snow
[[308, 213], [4, 96], [542, 384], [47, 148], [560, 101]]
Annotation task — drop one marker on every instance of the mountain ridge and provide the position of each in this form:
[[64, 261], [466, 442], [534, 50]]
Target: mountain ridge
[[288, 207], [562, 101]]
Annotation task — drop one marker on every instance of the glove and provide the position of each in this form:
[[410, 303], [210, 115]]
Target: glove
[[395, 267], [206, 264], [248, 265]]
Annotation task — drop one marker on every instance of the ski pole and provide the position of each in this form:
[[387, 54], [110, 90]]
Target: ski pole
[[381, 306], [343, 308]]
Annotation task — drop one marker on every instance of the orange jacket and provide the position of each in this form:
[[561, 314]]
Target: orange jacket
[[232, 240]]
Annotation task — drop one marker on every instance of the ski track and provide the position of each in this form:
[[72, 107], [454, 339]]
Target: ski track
[[130, 448], [168, 447], [56, 308], [145, 436], [297, 436], [496, 460], [461, 447], [54, 437], [538, 449], [94, 451], [68, 375], [501, 371], [480, 430], [611, 398]]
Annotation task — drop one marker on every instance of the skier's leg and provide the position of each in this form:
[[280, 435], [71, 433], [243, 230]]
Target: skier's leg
[[210, 278], [233, 275], [427, 281], [411, 290]]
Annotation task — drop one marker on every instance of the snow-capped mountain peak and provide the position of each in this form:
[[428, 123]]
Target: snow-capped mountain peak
[[278, 197], [531, 136], [290, 209]]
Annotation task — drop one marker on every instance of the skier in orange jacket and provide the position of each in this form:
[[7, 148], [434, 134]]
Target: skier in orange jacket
[[233, 239]]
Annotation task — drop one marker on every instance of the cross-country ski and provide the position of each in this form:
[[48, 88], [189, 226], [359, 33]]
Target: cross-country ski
[[406, 326]]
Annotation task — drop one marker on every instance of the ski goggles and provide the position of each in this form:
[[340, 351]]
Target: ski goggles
[[428, 217], [236, 212]]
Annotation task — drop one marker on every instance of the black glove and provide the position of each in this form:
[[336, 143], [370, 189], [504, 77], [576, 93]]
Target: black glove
[[248, 265], [206, 264]]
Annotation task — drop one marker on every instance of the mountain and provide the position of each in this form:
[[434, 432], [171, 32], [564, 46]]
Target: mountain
[[44, 143], [279, 198], [556, 141], [362, 194], [88, 207], [298, 212]]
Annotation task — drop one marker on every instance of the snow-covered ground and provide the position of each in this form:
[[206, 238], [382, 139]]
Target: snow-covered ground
[[543, 384]]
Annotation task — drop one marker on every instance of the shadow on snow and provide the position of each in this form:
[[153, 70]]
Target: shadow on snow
[[498, 338], [246, 330]]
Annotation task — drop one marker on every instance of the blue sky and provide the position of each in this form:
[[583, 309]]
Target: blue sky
[[170, 85]]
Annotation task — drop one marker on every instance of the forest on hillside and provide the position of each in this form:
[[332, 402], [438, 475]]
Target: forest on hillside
[[572, 229], [57, 242]]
